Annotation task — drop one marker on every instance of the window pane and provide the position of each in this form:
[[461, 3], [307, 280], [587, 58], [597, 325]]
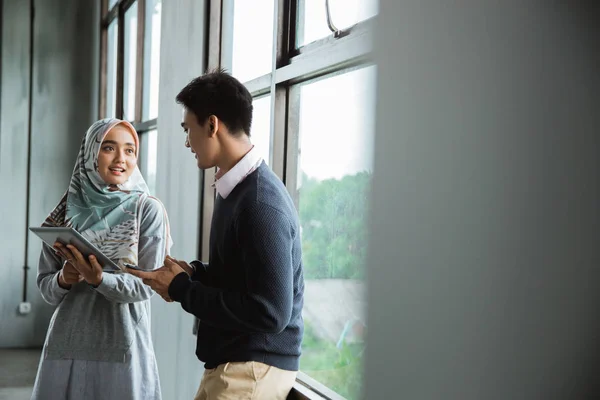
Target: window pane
[[151, 59], [111, 69], [111, 3], [148, 158], [252, 38], [335, 164], [131, 16], [312, 17], [261, 127]]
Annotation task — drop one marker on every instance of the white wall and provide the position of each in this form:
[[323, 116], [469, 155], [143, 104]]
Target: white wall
[[484, 275]]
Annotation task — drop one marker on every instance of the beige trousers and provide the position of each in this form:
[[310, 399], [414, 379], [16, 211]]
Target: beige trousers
[[245, 381]]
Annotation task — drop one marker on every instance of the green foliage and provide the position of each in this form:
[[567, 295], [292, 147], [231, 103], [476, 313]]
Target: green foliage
[[334, 234], [333, 216], [338, 369]]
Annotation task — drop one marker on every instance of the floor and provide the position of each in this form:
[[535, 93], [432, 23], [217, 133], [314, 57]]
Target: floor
[[17, 373]]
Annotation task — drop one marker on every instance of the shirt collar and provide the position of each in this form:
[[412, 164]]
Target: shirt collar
[[227, 182]]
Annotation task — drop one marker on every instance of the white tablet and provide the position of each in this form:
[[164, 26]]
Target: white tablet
[[65, 235]]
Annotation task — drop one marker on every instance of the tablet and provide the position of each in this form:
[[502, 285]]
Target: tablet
[[65, 235]]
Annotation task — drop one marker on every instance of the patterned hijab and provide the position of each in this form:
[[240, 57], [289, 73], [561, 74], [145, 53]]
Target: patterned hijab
[[107, 215]]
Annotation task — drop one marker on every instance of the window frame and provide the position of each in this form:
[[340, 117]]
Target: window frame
[[341, 51], [117, 12]]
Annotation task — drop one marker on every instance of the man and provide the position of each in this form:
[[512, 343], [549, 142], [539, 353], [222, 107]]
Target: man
[[249, 296]]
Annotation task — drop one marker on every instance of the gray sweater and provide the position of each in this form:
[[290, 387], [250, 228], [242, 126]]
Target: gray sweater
[[100, 324]]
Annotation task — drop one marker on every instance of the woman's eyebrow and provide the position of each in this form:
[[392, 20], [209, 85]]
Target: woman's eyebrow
[[115, 143]]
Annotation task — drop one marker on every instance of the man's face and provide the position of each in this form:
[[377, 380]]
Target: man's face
[[201, 139]]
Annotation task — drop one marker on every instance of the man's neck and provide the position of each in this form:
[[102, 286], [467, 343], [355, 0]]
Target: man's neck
[[232, 154]]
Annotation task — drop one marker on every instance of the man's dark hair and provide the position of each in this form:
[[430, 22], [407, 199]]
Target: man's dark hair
[[218, 93]]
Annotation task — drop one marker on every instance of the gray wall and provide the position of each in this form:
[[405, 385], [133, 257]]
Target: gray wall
[[14, 111], [64, 104], [178, 186], [484, 274]]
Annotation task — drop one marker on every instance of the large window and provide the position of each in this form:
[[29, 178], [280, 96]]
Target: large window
[[307, 65], [130, 65]]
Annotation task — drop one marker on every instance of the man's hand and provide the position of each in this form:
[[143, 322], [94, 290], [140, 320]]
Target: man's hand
[[160, 279], [185, 266], [90, 270]]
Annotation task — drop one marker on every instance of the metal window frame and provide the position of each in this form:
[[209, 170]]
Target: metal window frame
[[103, 60], [341, 51], [307, 388], [140, 64], [208, 193]]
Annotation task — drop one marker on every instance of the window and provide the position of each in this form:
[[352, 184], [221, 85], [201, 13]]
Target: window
[[306, 63], [130, 56], [313, 22], [111, 73], [334, 174], [260, 133], [151, 59], [130, 64], [252, 42], [148, 158]]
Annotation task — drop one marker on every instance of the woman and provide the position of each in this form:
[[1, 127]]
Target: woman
[[99, 344]]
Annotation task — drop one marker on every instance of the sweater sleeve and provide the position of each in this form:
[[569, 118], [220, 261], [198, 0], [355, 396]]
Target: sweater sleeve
[[201, 273], [47, 277], [126, 288], [265, 238]]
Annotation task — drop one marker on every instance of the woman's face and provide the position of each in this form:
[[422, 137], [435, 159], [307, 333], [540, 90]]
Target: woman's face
[[117, 158]]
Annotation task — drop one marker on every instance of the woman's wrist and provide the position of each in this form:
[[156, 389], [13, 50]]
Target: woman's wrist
[[61, 282]]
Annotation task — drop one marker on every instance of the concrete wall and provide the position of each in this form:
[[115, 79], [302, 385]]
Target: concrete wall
[[63, 104], [178, 186], [14, 125], [484, 278]]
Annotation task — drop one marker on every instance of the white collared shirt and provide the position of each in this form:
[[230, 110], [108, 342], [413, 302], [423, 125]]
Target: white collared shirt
[[226, 183]]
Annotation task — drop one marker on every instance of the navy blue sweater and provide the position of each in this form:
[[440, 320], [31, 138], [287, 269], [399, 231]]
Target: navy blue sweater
[[249, 296]]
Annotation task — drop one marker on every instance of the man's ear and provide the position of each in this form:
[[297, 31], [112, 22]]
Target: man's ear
[[213, 125]]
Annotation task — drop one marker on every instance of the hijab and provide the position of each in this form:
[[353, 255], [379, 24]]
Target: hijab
[[106, 215]]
